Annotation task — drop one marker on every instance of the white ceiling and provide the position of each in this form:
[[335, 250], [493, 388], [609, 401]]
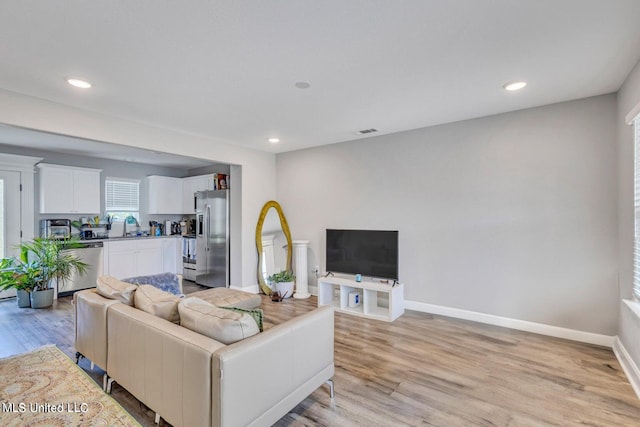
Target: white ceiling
[[227, 69]]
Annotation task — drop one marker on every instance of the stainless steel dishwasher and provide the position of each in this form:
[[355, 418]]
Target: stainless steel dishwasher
[[91, 254]]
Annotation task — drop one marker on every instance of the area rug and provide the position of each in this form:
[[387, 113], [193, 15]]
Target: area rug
[[45, 388]]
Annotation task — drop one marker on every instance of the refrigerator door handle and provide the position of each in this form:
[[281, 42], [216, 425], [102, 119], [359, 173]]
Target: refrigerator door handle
[[208, 227]]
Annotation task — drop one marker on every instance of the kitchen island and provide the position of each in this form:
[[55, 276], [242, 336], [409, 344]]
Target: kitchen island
[[124, 257], [142, 255]]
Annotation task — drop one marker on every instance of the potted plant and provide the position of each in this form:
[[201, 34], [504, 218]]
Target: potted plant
[[21, 276], [41, 262], [282, 282]]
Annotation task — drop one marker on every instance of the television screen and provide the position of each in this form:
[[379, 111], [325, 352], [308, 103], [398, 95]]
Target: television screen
[[367, 252]]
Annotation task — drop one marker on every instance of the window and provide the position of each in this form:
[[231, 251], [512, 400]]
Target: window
[[636, 238], [122, 198]]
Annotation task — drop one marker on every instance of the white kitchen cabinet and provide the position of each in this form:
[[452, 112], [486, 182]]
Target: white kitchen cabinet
[[165, 195], [142, 257], [119, 260], [86, 191], [190, 185], [172, 255], [149, 257], [69, 190]]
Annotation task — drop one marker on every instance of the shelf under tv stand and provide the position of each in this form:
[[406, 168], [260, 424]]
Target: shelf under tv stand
[[380, 301]]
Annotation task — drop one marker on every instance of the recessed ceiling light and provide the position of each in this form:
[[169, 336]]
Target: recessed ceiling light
[[514, 85], [303, 85], [274, 140], [83, 84]]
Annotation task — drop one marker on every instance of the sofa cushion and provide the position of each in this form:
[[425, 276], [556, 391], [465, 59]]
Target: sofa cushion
[[222, 325], [225, 297], [159, 303], [112, 288], [257, 314], [167, 282]]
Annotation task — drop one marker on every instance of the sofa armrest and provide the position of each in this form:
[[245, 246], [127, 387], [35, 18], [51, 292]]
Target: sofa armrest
[[165, 366], [258, 380], [91, 325]]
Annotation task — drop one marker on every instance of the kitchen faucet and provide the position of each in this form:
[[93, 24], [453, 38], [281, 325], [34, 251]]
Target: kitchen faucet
[[129, 221]]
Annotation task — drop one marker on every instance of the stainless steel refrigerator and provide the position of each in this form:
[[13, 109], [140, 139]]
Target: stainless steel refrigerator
[[212, 238]]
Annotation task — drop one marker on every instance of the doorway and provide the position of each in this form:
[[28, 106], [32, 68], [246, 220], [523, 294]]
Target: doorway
[[9, 218]]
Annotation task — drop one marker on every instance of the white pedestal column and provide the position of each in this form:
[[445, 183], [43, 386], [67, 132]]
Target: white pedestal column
[[302, 279]]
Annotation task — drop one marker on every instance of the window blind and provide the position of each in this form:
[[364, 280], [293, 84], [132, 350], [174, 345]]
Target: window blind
[[122, 195], [636, 203]]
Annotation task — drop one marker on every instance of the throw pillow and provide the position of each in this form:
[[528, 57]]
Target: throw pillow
[[112, 288], [167, 282], [257, 314], [222, 325], [159, 303]]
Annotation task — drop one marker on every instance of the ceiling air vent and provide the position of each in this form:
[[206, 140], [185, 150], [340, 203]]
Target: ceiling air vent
[[366, 131]]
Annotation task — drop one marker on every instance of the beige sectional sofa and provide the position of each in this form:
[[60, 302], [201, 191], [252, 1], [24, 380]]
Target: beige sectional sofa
[[192, 380]]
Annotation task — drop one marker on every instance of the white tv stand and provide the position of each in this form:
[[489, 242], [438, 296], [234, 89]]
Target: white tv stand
[[377, 300]]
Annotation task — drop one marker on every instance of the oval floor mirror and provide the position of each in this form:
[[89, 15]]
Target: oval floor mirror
[[273, 241]]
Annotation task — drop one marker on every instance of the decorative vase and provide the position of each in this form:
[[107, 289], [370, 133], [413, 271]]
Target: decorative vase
[[24, 299], [285, 289], [42, 299]]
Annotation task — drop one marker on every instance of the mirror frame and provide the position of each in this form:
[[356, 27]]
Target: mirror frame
[[285, 229]]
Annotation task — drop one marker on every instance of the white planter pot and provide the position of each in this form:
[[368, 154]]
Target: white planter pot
[[285, 288]]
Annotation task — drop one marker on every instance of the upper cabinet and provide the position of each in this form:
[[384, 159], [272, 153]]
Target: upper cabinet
[[190, 185], [165, 195], [69, 190], [170, 196]]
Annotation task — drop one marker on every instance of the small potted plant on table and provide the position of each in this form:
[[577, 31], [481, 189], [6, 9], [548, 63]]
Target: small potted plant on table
[[282, 283]]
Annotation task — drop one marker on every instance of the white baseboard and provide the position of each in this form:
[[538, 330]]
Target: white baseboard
[[254, 289], [522, 325], [628, 365]]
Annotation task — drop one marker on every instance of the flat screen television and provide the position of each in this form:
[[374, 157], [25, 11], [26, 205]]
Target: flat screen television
[[372, 253]]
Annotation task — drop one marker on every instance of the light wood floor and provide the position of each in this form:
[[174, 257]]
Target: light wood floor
[[419, 370]]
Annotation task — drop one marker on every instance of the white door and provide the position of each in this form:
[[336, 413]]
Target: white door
[[9, 217]]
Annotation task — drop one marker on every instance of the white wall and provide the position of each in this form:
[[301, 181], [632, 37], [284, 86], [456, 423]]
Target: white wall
[[629, 322], [257, 168], [511, 215]]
